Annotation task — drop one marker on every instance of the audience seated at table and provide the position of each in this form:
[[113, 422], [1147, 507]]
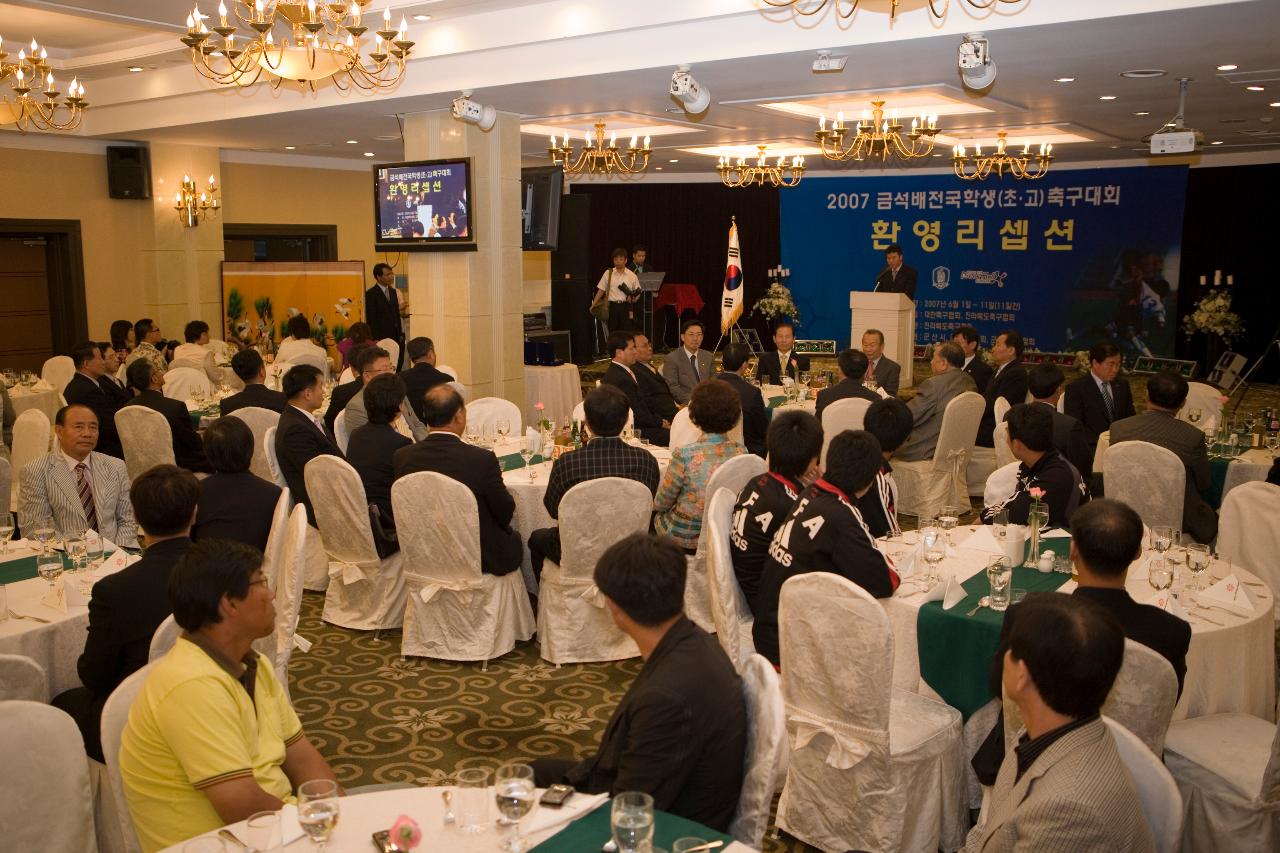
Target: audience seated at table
[[248, 365], [755, 420], [1042, 470], [343, 393], [825, 533], [930, 402], [621, 347], [148, 336], [195, 353], [1009, 381], [689, 364], [212, 738], [1064, 786], [1159, 425], [90, 387], [783, 362], [127, 606], [122, 336], [653, 387], [853, 373], [114, 357], [1098, 399], [377, 362], [682, 494], [1044, 383], [444, 452], [680, 732], [1273, 476], [300, 435], [358, 333], [421, 376], [73, 488], [299, 347], [889, 420], [974, 364], [886, 372], [234, 502], [374, 443], [147, 384], [794, 445], [604, 455]]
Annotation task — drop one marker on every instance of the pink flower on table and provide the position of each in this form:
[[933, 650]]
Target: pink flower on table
[[405, 834], [539, 406], [1036, 492]]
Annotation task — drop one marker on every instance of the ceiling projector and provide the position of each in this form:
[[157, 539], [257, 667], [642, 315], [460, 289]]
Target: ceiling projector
[[1175, 137]]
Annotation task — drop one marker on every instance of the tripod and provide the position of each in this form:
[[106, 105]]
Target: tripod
[[1244, 380]]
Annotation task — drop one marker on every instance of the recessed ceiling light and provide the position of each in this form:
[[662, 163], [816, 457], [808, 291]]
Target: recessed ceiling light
[[1228, 67], [1064, 79], [368, 153], [1216, 142], [1275, 103], [290, 148], [353, 141], [673, 161], [1106, 97], [658, 168], [1142, 113], [1256, 88], [422, 17], [937, 155], [135, 68], [1143, 73], [387, 138]]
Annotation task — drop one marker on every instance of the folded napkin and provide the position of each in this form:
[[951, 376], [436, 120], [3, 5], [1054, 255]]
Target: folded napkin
[[545, 818], [1056, 533], [905, 565], [533, 439], [72, 594], [290, 829], [1140, 569], [1230, 595], [984, 540], [952, 595], [55, 598], [1166, 602], [116, 561]]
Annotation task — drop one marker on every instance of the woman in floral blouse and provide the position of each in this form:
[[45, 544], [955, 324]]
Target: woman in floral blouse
[[714, 408]]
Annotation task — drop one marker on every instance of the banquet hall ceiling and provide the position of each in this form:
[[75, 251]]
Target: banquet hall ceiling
[[561, 63]]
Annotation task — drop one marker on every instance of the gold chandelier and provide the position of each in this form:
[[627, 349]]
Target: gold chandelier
[[808, 8], [193, 205], [41, 110], [877, 136], [744, 174], [1018, 165], [318, 41], [597, 157]]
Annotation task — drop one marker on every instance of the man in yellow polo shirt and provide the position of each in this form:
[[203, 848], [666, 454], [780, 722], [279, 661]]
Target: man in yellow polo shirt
[[211, 738]]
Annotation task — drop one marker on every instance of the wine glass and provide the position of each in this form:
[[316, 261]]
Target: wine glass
[[933, 546], [949, 520], [93, 548], [6, 531], [471, 433], [49, 567], [1273, 442], [503, 427], [1160, 574], [1197, 563], [318, 810], [42, 533], [1161, 539], [73, 545], [526, 453], [514, 791], [631, 821]]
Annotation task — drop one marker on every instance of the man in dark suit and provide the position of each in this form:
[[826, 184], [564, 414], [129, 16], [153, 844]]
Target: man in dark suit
[[1166, 392], [974, 364], [422, 376], [382, 307], [654, 388], [248, 365], [605, 455], [1009, 381], [680, 732], [234, 502], [444, 452], [853, 369], [896, 277], [1044, 382], [300, 435], [886, 372], [187, 451], [773, 366], [1098, 398], [89, 387], [755, 421], [126, 607], [621, 375]]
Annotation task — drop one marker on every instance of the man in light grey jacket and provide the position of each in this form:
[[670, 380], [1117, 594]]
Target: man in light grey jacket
[[948, 381], [689, 364]]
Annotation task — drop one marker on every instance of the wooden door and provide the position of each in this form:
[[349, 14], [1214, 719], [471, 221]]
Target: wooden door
[[26, 332]]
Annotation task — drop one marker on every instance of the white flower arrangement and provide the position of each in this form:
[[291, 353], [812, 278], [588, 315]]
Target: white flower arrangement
[[775, 303], [1213, 316]]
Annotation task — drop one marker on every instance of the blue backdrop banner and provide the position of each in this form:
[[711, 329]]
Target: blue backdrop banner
[[1071, 259]]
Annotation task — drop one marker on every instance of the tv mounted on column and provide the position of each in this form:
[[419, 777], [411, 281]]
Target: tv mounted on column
[[424, 206]]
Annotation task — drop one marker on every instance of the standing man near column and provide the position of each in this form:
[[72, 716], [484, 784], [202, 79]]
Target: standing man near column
[[382, 307], [688, 365], [896, 277]]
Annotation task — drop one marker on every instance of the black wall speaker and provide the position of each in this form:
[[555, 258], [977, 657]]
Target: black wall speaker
[[571, 283], [128, 171]]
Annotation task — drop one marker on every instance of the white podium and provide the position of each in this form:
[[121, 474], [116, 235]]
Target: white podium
[[891, 313]]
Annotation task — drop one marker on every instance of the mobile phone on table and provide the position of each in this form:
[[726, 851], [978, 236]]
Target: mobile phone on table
[[556, 796], [382, 841]]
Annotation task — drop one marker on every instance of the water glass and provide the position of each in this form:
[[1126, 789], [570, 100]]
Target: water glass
[[43, 534], [471, 800], [631, 821], [503, 427], [263, 831], [934, 545], [318, 807], [526, 453], [999, 576], [1161, 539], [93, 549], [1160, 574], [74, 546], [49, 566], [6, 531], [1197, 563], [514, 792]]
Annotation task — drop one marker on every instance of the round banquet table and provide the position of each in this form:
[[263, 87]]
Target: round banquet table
[[1230, 666], [558, 389], [1253, 464], [775, 400], [40, 396]]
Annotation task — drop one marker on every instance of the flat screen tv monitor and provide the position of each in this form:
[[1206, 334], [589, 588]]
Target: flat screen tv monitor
[[424, 206], [541, 188]]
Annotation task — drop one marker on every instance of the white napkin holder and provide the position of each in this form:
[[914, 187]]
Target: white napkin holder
[[1230, 595], [952, 594], [1015, 544]]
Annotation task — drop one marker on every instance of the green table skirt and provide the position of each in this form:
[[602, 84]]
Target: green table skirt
[[587, 834], [512, 461], [14, 571], [1217, 480]]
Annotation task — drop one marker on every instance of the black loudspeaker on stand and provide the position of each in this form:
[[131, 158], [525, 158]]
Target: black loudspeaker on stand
[[571, 284]]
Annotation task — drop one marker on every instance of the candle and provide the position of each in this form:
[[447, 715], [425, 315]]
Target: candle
[[1204, 279], [1217, 278], [1231, 279]]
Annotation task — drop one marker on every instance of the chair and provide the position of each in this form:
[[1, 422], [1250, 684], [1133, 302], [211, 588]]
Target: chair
[[146, 439], [22, 678], [926, 486], [1247, 532], [164, 638], [683, 431], [57, 372], [181, 383], [317, 360], [1001, 485], [982, 464], [580, 414], [347, 375], [454, 611], [730, 611], [871, 767], [115, 714], [1158, 793], [1004, 453], [341, 435], [487, 410], [1001, 407], [6, 478], [393, 349], [574, 626], [766, 739], [259, 420], [840, 416], [1227, 767], [48, 802], [365, 593], [444, 368], [291, 539], [1207, 399], [32, 433], [218, 348], [273, 463], [1104, 441], [733, 474], [1148, 478], [1143, 696], [274, 553]]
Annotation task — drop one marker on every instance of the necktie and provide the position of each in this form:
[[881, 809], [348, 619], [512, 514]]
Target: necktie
[[85, 488], [871, 371], [693, 362], [1108, 401]]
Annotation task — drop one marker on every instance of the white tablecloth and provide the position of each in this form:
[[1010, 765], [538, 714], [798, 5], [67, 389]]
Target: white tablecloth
[[39, 396], [1230, 668], [559, 389], [810, 404], [1251, 465]]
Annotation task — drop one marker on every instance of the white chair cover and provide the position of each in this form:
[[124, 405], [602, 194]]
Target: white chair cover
[[766, 739], [393, 349], [1158, 793], [1227, 767], [218, 348], [840, 416], [574, 625], [57, 371], [276, 373], [730, 611], [926, 486], [32, 434], [1248, 534], [1000, 486], [1104, 441], [486, 411], [146, 439], [1148, 478], [444, 368], [274, 552], [1143, 696], [454, 612], [976, 730], [273, 463], [1004, 454], [115, 713], [6, 477], [682, 430], [164, 638], [181, 382], [341, 435], [365, 593], [279, 646], [1001, 407], [259, 420], [48, 803], [1207, 399], [347, 375], [315, 358], [871, 767], [580, 414], [982, 464], [733, 474], [22, 678]]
